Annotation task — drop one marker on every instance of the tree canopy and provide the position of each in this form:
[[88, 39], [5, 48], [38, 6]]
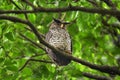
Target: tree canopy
[[94, 28]]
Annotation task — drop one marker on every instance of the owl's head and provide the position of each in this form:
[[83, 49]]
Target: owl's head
[[58, 24]]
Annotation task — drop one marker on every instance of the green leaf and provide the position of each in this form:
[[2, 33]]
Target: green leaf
[[12, 68], [26, 71], [32, 17], [10, 36], [1, 59]]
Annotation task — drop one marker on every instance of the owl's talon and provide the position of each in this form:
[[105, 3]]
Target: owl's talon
[[69, 52], [66, 51]]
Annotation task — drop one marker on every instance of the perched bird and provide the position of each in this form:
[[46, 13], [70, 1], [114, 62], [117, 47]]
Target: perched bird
[[58, 37]]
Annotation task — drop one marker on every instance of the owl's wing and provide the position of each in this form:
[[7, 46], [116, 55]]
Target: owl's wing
[[48, 36], [69, 42]]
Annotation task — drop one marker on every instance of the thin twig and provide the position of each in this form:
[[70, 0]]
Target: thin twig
[[44, 61], [24, 65], [29, 3], [40, 61], [93, 2], [15, 4], [34, 43], [35, 55], [110, 3], [19, 9], [32, 31]]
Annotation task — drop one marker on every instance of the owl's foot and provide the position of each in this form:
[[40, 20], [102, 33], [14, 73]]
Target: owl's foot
[[67, 51]]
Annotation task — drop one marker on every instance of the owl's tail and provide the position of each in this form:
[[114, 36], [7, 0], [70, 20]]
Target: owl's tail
[[59, 59]]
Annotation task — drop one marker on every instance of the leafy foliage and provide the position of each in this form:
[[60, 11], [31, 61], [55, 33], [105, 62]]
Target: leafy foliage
[[92, 40]]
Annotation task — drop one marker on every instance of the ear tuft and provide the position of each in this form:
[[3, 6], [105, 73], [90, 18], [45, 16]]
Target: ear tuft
[[60, 22], [57, 21], [66, 22]]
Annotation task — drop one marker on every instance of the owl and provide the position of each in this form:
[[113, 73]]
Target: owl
[[59, 38]]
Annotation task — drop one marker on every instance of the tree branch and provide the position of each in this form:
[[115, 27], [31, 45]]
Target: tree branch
[[106, 69], [24, 65], [40, 61], [34, 43], [93, 2], [15, 4], [64, 9], [113, 6], [29, 3], [13, 19], [110, 3], [32, 31], [96, 76], [33, 60], [19, 8]]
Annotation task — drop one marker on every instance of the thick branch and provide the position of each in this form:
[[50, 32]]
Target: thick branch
[[65, 9], [106, 69], [96, 76], [113, 6], [13, 19]]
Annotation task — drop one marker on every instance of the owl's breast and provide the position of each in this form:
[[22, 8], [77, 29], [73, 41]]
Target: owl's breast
[[58, 40]]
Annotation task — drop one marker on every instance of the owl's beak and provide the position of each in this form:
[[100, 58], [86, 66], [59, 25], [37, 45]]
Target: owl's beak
[[62, 26]]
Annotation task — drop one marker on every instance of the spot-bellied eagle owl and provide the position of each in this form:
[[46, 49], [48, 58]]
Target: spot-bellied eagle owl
[[59, 38]]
